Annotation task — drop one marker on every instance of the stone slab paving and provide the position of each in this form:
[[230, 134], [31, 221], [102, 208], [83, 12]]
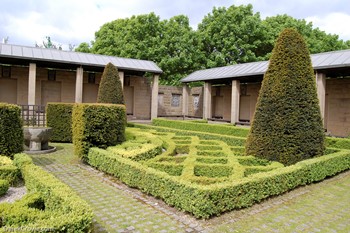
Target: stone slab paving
[[321, 207]]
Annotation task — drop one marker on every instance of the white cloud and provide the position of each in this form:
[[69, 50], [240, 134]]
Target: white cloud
[[334, 23], [76, 21]]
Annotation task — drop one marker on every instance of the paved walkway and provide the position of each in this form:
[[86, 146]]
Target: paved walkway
[[322, 207]]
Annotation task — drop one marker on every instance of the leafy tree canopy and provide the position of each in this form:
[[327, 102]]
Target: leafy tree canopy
[[230, 35], [225, 36]]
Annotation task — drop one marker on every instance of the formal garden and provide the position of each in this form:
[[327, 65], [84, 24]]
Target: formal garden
[[199, 168]]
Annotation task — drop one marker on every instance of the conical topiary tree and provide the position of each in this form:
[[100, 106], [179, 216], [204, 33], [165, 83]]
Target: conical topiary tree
[[287, 125], [110, 89]]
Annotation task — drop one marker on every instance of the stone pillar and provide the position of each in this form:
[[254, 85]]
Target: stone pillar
[[32, 84], [154, 101], [321, 93], [235, 99], [207, 101], [79, 85], [121, 77], [185, 97]]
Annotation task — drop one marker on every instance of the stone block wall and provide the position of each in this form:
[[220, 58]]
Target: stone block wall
[[170, 101], [337, 109]]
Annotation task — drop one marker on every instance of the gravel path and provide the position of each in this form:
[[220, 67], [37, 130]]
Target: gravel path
[[13, 194]]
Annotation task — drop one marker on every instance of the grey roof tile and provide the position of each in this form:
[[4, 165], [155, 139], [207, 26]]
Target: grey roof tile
[[326, 60], [59, 56]]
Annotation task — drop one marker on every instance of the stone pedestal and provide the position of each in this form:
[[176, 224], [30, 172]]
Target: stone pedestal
[[37, 138]]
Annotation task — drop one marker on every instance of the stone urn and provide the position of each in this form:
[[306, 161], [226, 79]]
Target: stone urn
[[37, 138]]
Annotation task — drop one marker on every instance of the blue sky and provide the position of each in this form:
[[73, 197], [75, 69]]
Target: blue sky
[[27, 22]]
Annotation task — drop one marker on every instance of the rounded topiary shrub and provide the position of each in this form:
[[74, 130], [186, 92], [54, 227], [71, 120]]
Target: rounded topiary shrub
[[110, 90], [287, 125], [11, 133]]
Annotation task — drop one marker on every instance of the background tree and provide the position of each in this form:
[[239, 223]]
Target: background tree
[[110, 89], [181, 53], [287, 125], [136, 37], [317, 41], [225, 36], [230, 35], [84, 48]]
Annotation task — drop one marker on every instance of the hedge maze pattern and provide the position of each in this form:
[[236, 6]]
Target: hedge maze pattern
[[190, 158]]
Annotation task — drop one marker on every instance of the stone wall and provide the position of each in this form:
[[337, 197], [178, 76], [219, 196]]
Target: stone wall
[[337, 109], [170, 101]]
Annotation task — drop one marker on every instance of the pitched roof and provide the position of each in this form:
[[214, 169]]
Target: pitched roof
[[328, 60], [88, 59]]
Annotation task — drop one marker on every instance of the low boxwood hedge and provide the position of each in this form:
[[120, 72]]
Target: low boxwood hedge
[[4, 186], [49, 205], [143, 146], [8, 171], [202, 127], [99, 125], [59, 118], [230, 140]]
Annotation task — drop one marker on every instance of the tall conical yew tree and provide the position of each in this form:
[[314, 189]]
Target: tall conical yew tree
[[287, 125], [110, 89]]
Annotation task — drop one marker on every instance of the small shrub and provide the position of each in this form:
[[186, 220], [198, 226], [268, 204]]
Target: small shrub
[[59, 118], [171, 169], [253, 161], [210, 147], [212, 160], [8, 171], [97, 125], [212, 171], [173, 159], [212, 153], [253, 170], [4, 186], [110, 90], [11, 133]]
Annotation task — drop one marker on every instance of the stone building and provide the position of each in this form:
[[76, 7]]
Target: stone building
[[230, 93], [36, 76]]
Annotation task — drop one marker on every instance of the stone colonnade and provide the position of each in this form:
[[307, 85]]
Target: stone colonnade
[[235, 98], [79, 87]]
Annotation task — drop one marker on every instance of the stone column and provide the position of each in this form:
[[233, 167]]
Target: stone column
[[207, 101], [154, 101], [79, 85], [235, 99], [121, 77], [185, 97], [321, 93], [32, 84]]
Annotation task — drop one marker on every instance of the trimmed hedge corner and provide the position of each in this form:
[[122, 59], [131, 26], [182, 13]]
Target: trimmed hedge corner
[[8, 171], [59, 118], [11, 134], [97, 125], [49, 204], [4, 186]]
